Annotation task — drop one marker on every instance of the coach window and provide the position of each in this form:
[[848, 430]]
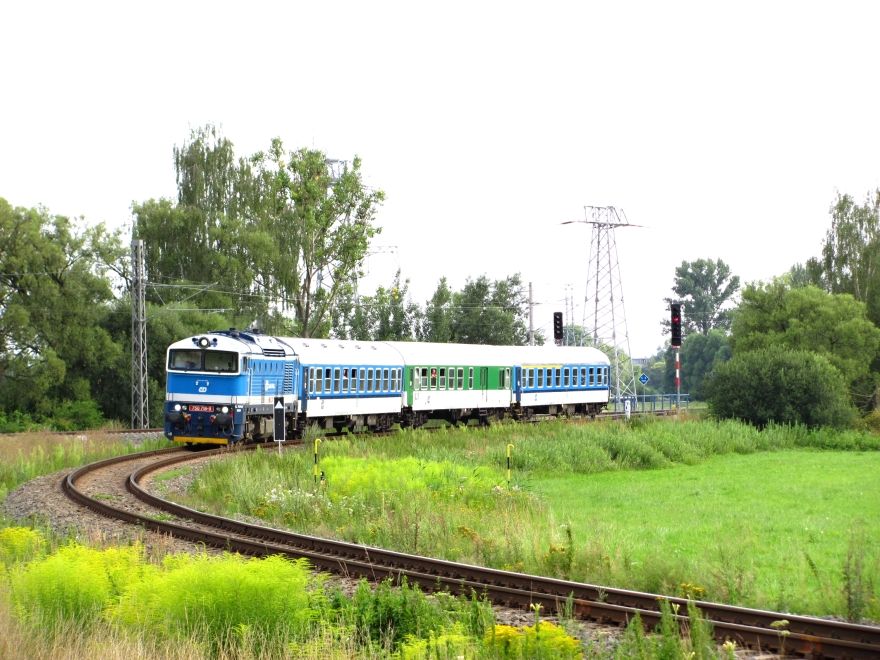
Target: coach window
[[442, 385], [583, 376], [540, 378], [565, 377], [345, 379], [369, 384], [507, 378], [336, 380], [386, 384], [470, 378]]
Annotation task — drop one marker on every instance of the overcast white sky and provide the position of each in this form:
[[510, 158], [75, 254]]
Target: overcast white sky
[[727, 130]]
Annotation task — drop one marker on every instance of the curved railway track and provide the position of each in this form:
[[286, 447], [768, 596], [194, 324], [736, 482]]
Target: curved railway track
[[119, 480]]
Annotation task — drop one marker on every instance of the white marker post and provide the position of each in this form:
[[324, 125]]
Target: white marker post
[[279, 421]]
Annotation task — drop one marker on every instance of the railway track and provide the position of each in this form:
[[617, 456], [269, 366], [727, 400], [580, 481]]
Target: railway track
[[114, 488]]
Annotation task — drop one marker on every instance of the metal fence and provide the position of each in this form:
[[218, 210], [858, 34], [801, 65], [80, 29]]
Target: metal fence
[[650, 402]]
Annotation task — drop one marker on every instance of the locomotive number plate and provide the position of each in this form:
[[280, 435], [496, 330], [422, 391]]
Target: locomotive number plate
[[196, 408]]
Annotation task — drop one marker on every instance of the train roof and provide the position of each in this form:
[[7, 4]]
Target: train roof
[[482, 355], [342, 351], [217, 341]]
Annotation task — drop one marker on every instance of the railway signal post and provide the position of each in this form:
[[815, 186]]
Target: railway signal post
[[675, 342]]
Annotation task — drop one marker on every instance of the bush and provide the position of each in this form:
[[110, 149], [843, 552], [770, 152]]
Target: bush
[[77, 416], [780, 385]]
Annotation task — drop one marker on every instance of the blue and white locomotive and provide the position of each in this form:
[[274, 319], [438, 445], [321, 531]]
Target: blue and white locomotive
[[223, 387]]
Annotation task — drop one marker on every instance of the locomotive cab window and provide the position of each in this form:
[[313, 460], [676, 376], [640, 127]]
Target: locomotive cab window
[[221, 361]]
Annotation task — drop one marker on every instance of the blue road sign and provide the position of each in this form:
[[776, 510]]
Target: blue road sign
[[643, 379]]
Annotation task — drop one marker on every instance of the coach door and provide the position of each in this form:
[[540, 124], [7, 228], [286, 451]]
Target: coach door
[[484, 383]]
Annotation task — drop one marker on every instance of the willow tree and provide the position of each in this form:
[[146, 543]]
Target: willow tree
[[276, 235]]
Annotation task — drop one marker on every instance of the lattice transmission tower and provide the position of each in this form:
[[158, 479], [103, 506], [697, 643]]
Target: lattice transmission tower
[[140, 409], [604, 317]]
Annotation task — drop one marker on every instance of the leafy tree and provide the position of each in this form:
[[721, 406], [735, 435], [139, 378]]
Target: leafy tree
[[54, 288], [807, 318], [781, 385], [576, 335], [388, 315], [276, 228], [487, 312], [437, 320], [850, 261], [704, 287], [700, 354]]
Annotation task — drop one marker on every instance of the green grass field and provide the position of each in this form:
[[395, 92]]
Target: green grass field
[[773, 529]]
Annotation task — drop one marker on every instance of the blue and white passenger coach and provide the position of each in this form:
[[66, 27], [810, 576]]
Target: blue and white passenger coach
[[349, 384]]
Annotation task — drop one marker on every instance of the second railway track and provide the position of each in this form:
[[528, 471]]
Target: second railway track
[[113, 488]]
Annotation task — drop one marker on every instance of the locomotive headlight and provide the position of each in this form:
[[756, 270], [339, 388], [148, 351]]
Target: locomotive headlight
[[176, 407], [224, 409], [204, 342]]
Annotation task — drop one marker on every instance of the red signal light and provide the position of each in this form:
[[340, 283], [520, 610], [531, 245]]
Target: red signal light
[[675, 309]]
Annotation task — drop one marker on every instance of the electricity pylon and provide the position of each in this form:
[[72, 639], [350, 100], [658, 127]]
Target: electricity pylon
[[140, 408], [604, 312]]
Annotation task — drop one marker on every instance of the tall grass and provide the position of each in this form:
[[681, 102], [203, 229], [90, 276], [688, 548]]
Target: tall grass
[[26, 456]]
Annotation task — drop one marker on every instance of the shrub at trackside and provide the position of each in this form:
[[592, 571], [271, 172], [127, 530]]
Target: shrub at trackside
[[780, 385]]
